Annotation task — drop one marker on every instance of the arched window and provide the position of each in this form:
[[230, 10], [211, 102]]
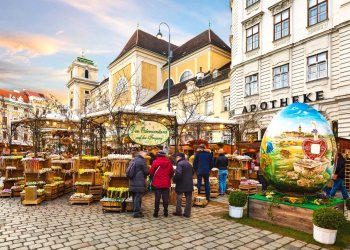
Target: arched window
[[86, 74], [185, 76], [122, 85], [165, 86]]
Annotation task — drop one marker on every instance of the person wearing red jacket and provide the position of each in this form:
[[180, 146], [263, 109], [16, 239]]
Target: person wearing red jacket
[[161, 172]]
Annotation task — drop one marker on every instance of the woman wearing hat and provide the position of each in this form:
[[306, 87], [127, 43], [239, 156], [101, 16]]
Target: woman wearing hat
[[161, 172], [221, 163]]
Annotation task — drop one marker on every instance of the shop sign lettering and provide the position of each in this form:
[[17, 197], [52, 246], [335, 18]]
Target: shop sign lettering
[[283, 102], [148, 133]]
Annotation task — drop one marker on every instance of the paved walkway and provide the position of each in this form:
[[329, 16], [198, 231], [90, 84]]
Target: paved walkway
[[58, 225]]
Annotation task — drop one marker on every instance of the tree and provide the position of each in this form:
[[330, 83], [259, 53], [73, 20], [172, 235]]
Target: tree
[[188, 102], [247, 124]]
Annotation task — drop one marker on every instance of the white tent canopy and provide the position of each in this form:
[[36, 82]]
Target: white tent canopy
[[131, 109], [198, 119]]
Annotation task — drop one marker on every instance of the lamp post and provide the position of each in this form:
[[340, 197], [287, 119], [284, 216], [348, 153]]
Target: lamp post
[[159, 36]]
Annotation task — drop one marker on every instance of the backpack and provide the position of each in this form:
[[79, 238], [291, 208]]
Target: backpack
[[131, 170]]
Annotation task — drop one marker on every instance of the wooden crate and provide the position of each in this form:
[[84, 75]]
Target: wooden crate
[[81, 201], [118, 167], [200, 201], [82, 189], [115, 181], [98, 179], [86, 177], [249, 189], [34, 202], [3, 195], [284, 215], [96, 191]]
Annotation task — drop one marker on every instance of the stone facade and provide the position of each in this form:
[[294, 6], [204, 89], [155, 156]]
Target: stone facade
[[312, 60]]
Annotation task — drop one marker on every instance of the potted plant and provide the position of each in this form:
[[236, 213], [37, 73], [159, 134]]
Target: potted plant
[[237, 200], [326, 223]]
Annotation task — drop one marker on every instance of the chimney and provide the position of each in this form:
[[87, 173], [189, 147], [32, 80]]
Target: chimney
[[200, 74]]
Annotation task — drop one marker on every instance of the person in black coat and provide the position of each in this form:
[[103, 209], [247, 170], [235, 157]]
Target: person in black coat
[[202, 164], [221, 163], [184, 185], [137, 185], [338, 178]]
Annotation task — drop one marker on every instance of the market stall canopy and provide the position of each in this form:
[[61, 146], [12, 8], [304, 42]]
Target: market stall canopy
[[206, 120], [133, 110]]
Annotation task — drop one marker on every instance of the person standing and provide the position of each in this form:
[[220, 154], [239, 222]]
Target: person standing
[[338, 177], [137, 184], [202, 164], [221, 163], [184, 185], [161, 172]]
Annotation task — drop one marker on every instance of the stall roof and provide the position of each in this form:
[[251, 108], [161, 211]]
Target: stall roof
[[131, 109], [206, 120]]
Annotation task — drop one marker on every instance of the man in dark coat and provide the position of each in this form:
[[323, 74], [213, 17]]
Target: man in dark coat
[[184, 185], [202, 164], [137, 185], [338, 179]]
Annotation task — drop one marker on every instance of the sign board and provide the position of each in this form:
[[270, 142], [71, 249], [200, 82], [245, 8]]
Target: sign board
[[148, 133]]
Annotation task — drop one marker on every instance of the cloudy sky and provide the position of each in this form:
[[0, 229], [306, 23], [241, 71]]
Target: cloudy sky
[[40, 38]]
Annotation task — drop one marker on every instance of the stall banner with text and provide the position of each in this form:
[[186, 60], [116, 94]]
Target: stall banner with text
[[148, 133]]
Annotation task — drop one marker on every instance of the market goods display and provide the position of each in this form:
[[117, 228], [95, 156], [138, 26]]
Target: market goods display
[[31, 196], [81, 198], [298, 156]]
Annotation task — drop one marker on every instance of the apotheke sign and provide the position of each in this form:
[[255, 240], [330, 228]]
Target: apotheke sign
[[283, 102], [148, 133]]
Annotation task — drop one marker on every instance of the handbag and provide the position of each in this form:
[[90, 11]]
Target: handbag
[[151, 179]]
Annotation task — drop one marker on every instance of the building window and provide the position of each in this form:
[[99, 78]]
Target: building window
[[226, 102], [15, 136], [317, 66], [281, 76], [4, 135], [251, 85], [209, 107], [4, 120], [86, 74], [251, 2], [122, 85], [317, 11], [165, 86], [185, 76], [25, 137], [15, 108], [253, 37], [87, 92], [281, 27]]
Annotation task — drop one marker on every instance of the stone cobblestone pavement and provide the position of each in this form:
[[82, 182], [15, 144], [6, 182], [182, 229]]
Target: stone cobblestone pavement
[[59, 225]]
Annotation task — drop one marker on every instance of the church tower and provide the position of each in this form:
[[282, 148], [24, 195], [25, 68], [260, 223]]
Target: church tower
[[82, 79]]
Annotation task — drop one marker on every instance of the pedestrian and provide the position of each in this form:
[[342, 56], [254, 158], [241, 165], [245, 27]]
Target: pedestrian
[[338, 177], [161, 172], [202, 164], [184, 185], [137, 184], [221, 163]]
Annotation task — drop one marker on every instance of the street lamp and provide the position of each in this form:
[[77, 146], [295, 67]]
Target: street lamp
[[159, 36]]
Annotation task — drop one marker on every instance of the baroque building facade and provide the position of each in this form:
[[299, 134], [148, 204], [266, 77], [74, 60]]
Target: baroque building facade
[[286, 51]]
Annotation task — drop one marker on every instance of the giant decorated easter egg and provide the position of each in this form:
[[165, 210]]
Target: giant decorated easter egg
[[297, 151]]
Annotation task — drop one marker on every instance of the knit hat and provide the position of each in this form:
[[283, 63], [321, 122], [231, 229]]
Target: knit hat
[[161, 152], [182, 155]]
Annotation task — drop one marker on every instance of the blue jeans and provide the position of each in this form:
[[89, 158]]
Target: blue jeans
[[222, 181], [339, 182], [206, 182]]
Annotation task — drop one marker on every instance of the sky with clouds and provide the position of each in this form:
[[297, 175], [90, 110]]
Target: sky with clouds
[[40, 38]]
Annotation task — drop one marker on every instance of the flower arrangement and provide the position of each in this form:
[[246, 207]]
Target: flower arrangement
[[57, 178], [6, 191], [248, 182], [87, 158], [83, 183], [44, 170], [11, 168], [85, 171], [15, 178], [11, 157], [116, 192], [33, 159], [80, 196], [119, 157], [31, 183], [56, 167]]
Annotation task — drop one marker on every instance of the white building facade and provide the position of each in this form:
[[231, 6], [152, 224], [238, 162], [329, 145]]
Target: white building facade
[[285, 51]]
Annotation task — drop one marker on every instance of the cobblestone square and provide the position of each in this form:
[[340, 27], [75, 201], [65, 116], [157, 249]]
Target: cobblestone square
[[58, 225]]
